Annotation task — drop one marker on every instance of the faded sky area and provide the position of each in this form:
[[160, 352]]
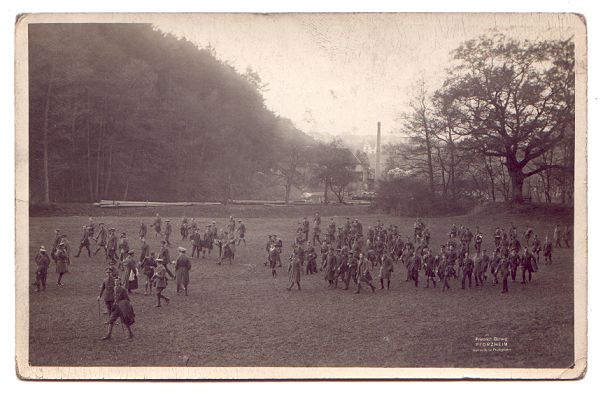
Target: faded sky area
[[341, 73]]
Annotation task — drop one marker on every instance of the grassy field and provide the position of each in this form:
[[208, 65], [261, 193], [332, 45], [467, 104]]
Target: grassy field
[[239, 316]]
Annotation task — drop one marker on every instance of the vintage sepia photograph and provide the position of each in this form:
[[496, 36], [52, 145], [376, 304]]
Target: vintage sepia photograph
[[301, 196]]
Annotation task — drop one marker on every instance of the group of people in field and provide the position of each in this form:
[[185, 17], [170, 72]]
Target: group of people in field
[[347, 253], [124, 268]]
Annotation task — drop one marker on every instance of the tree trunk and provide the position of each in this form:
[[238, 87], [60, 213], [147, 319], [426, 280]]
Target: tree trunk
[[287, 191], [517, 178], [89, 162], [429, 163], [109, 169], [326, 194], [73, 153], [45, 174]]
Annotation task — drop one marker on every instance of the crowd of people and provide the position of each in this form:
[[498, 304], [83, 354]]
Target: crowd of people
[[346, 254], [123, 270]]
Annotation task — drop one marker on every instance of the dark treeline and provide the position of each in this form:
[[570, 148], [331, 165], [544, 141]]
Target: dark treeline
[[129, 112], [501, 127]]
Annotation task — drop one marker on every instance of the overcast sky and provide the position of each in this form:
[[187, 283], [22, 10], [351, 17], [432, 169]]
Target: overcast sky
[[341, 73]]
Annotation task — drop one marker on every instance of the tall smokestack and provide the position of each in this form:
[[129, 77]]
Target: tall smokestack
[[378, 160]]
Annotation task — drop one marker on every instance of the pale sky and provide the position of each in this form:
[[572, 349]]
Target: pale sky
[[341, 73]]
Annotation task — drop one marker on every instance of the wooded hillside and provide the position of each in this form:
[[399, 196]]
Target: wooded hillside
[[125, 111]]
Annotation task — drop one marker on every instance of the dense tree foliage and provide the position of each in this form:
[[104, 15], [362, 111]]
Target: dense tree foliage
[[129, 112]]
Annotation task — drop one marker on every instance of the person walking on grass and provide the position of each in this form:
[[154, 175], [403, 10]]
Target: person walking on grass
[[131, 274], [548, 251], [85, 242], [274, 257], [107, 290], [364, 273], [567, 236], [102, 236], [160, 281], [294, 273], [148, 266], [142, 231], [111, 249], [527, 265], [144, 250], [183, 267], [467, 270], [168, 232], [121, 309], [157, 225], [505, 269], [62, 260], [241, 232], [42, 263], [386, 269]]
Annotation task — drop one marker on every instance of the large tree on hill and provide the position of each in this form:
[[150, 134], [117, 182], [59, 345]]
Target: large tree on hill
[[512, 99]]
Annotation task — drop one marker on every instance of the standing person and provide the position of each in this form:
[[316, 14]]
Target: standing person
[[142, 231], [196, 244], [228, 248], [183, 267], [548, 251], [157, 225], [108, 290], [42, 263], [184, 228], [567, 236], [55, 244], [85, 242], [448, 273], [131, 274], [102, 235], [478, 241], [123, 246], [527, 265], [305, 228], [468, 267], [311, 257], [168, 232], [317, 219], [514, 262], [386, 269], [331, 267], [161, 282], [478, 271], [62, 260], [241, 232], [273, 257], [364, 273], [148, 266], [429, 264], [122, 309], [316, 235], [505, 267], [352, 271], [536, 248], [112, 246], [144, 250], [557, 236], [164, 256], [67, 246], [415, 268], [294, 273]]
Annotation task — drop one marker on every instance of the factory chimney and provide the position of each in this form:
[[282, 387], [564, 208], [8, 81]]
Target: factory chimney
[[378, 149]]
